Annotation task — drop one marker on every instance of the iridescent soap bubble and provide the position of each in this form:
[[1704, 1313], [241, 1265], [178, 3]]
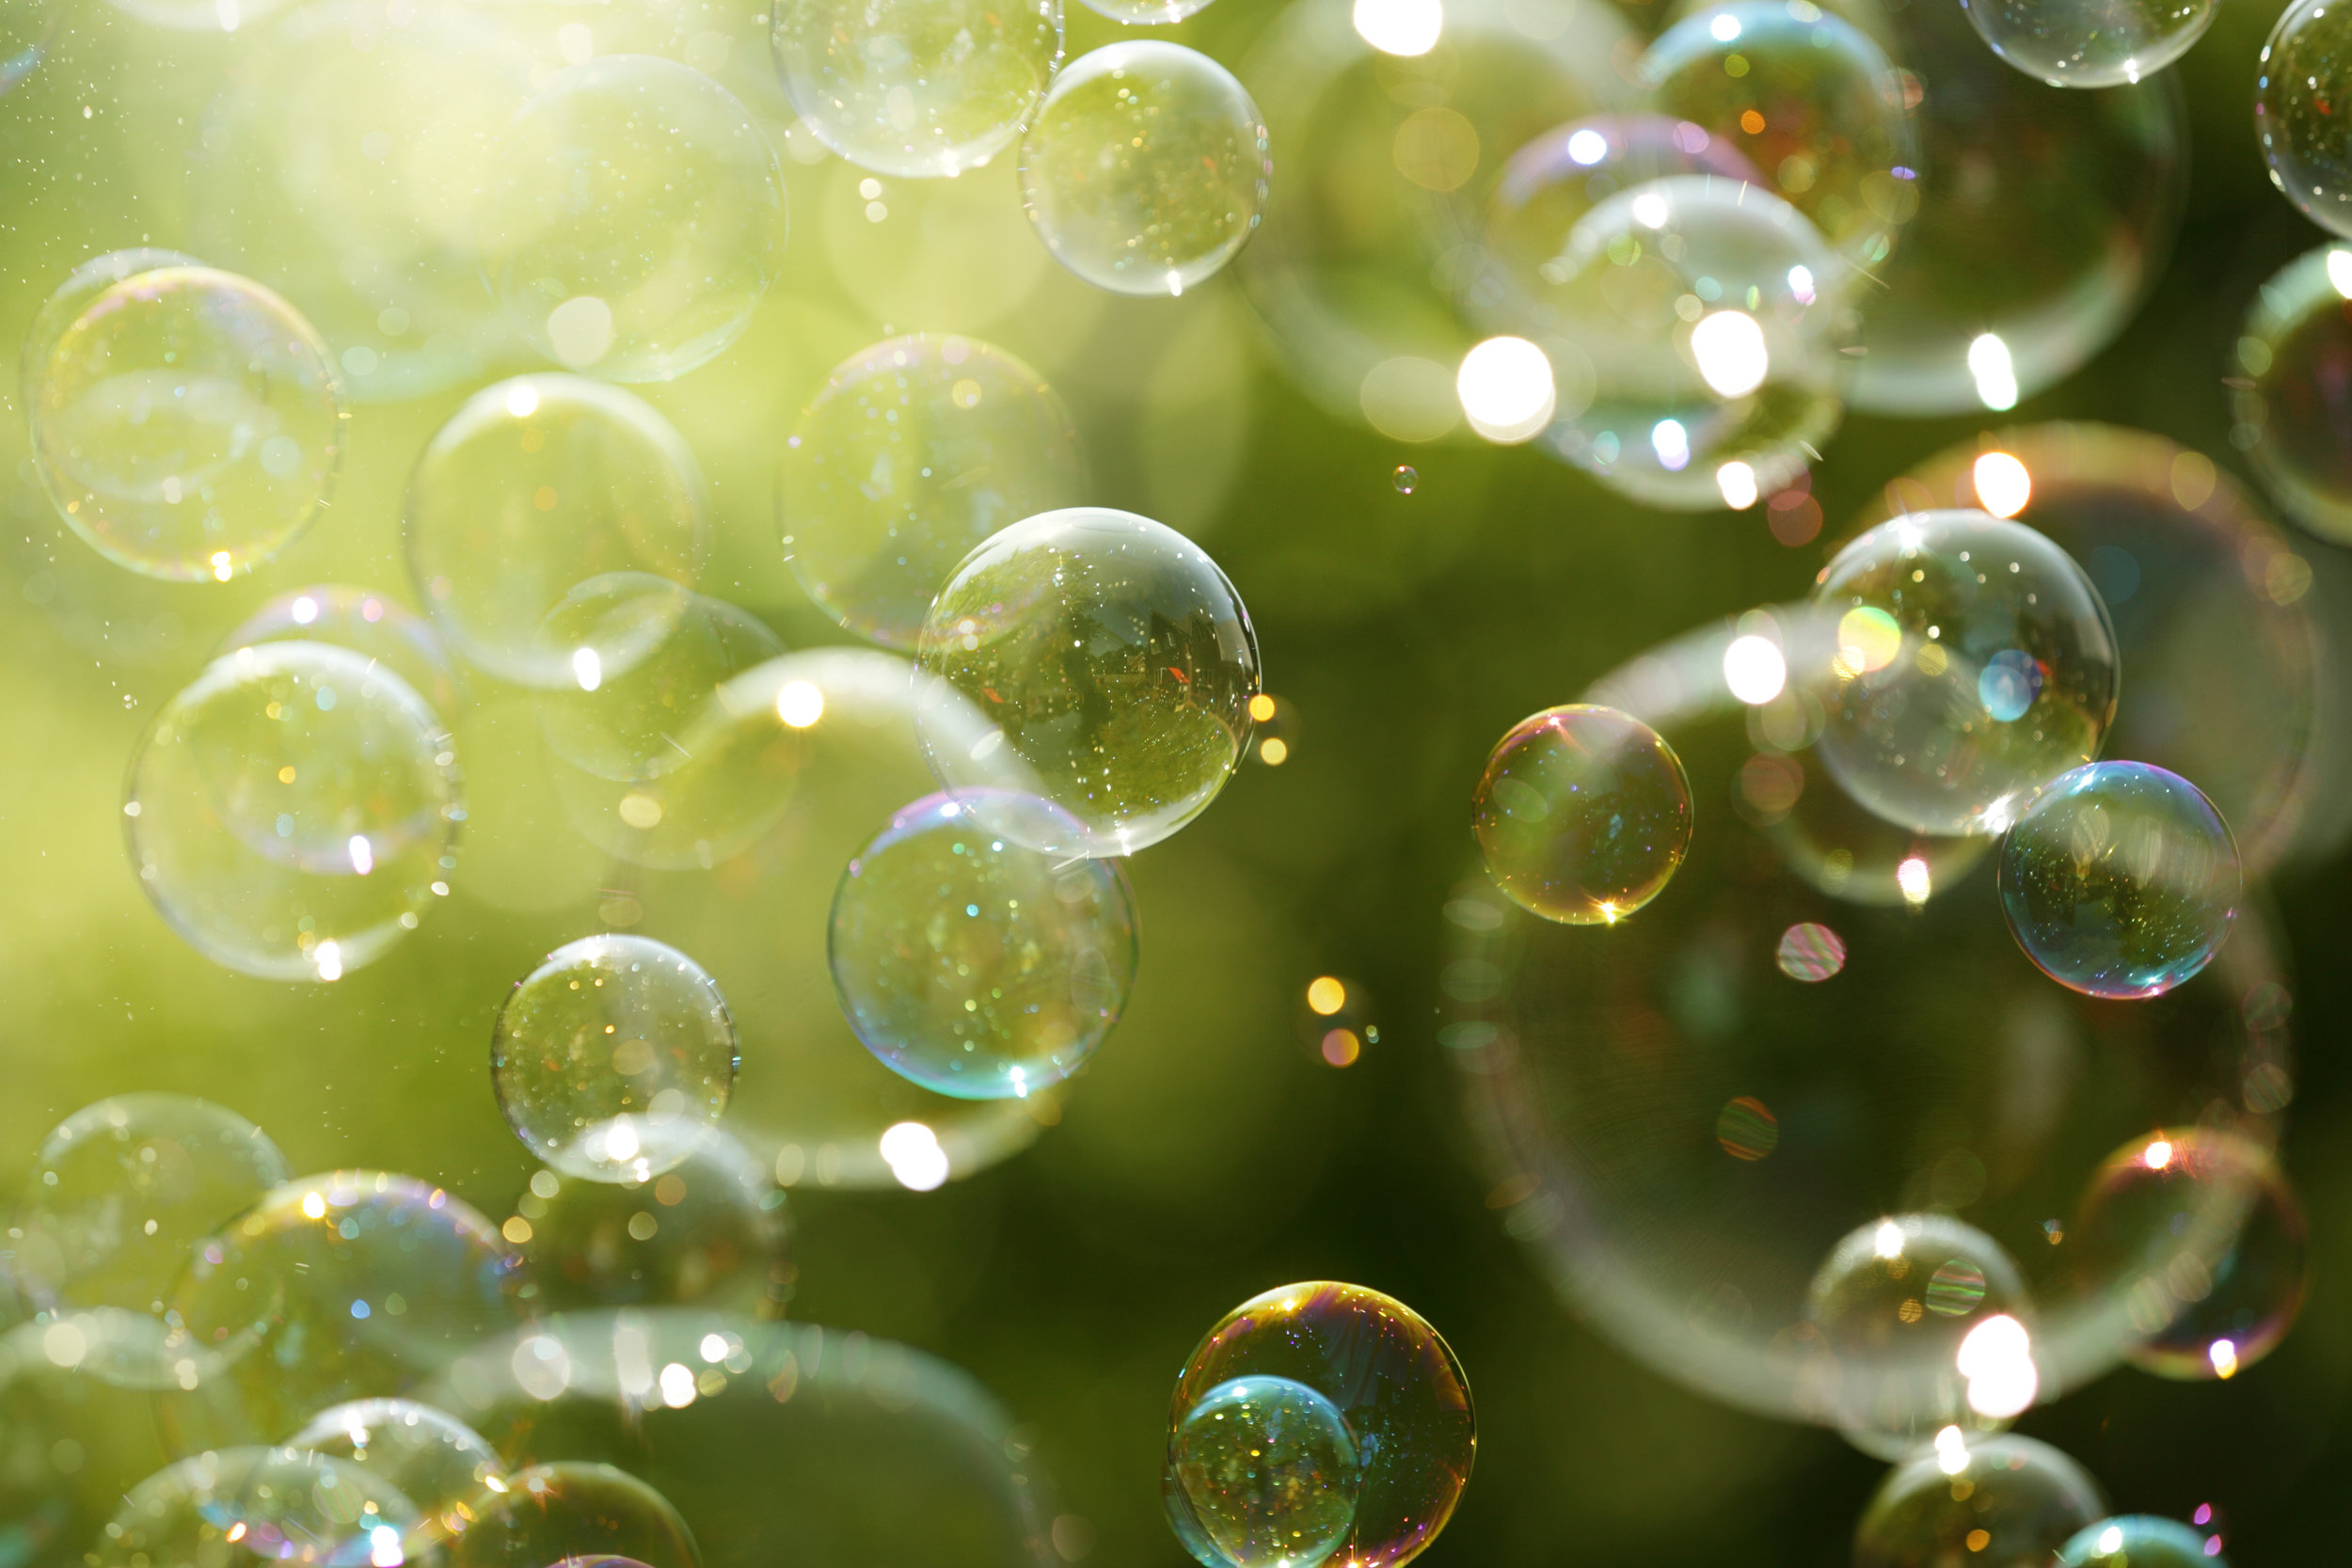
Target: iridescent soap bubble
[[1806, 96], [1114, 664], [1145, 169], [631, 720], [635, 219], [612, 1057], [570, 1511], [316, 1511], [120, 1196], [2293, 424], [2103, 45], [1975, 663], [374, 626], [293, 810], [973, 964], [2296, 97], [426, 1455], [917, 450], [187, 424], [2195, 1238], [916, 87], [1394, 1382], [1707, 320], [79, 291], [2119, 880], [2141, 1541], [2005, 1502], [534, 487], [1583, 815], [1270, 1472]]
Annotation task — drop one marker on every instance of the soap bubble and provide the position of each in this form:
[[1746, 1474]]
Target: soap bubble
[[292, 812], [1583, 815], [1787, 795], [180, 1515], [2141, 1541], [2296, 344], [571, 1510], [1806, 96], [916, 87], [2199, 1242], [319, 1512], [2091, 46], [2119, 880], [634, 719], [187, 424], [635, 218], [120, 1195], [77, 293], [2294, 113], [1144, 168], [1269, 1471], [354, 1285], [1975, 663], [2024, 1498], [535, 486], [713, 1233], [972, 965], [1391, 1378], [1114, 664], [1899, 1311], [378, 627], [1713, 319], [612, 1057], [425, 1455], [917, 450]]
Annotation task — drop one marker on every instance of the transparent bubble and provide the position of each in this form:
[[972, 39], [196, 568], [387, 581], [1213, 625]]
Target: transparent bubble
[[570, 1511], [1712, 316], [354, 1285], [1114, 663], [293, 810], [534, 487], [180, 1515], [916, 87], [374, 626], [1405, 479], [120, 1193], [2141, 1541], [917, 450], [635, 219], [1145, 169], [425, 1455], [611, 1058], [2102, 45], [713, 1233], [1806, 97], [634, 719], [2295, 345], [2194, 1236], [2119, 880], [1967, 319], [77, 293], [1901, 1310], [975, 965], [187, 424], [1975, 663], [2024, 1500], [1583, 815], [316, 1511], [1392, 1380], [1841, 849], [1270, 1472]]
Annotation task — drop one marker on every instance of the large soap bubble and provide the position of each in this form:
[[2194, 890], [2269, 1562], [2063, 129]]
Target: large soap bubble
[[293, 810], [2104, 45], [1583, 815], [1270, 1472], [2005, 1502], [2295, 349], [80, 289], [635, 218]]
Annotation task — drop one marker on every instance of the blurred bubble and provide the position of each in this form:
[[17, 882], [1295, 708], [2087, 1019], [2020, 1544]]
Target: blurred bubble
[[918, 88], [573, 1512], [2141, 1541], [319, 1512], [2294, 92], [2119, 880], [2003, 1501], [293, 810], [120, 1195], [534, 487], [711, 1233], [180, 1515], [917, 450], [612, 1057], [1506, 389], [629, 719], [1394, 1382], [80, 289], [1405, 479], [372, 625], [2292, 359], [187, 423], [634, 220], [1114, 664], [2197, 1239], [2090, 46], [1836, 846], [1583, 815], [425, 1455], [1806, 96], [1144, 168], [1270, 1471], [1975, 663], [972, 965]]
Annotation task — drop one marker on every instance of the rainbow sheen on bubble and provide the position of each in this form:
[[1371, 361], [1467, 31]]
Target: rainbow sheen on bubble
[[1583, 815], [2141, 1541], [2006, 1501], [1270, 1472], [2292, 358], [573, 1510], [316, 1511], [425, 1455]]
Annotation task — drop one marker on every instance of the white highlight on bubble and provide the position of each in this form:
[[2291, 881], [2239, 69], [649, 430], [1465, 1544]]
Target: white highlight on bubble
[[1724, 29], [1400, 27], [913, 1153], [329, 957], [2158, 1154], [1587, 147], [1995, 376], [621, 1142], [799, 703], [306, 609], [1996, 1358], [1801, 286], [1913, 880], [1729, 348], [580, 330], [1951, 1450], [677, 1386], [587, 669], [1650, 210], [576, 43], [1671, 444], [2110, 1539], [522, 401], [1737, 481], [1755, 670], [2223, 1355], [362, 857], [2339, 272], [2003, 485], [1887, 1239], [1507, 391], [384, 1547]]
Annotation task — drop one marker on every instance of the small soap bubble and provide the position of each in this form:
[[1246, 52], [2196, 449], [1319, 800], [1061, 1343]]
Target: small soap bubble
[[2121, 879], [973, 964], [2005, 1502], [1583, 815], [2142, 1541], [611, 1058], [578, 1512], [1747, 1129], [1810, 952], [1407, 479], [1270, 1471], [1145, 169], [2102, 45]]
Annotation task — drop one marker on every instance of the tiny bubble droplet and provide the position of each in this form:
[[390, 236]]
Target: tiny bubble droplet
[[1406, 477]]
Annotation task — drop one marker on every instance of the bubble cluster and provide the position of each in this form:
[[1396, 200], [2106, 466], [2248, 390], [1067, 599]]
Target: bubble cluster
[[1583, 815]]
